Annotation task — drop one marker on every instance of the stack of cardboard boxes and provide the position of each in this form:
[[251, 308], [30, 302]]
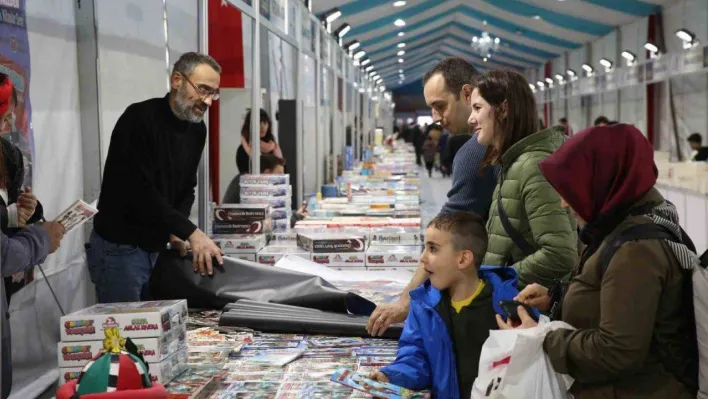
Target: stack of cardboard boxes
[[157, 328], [242, 230]]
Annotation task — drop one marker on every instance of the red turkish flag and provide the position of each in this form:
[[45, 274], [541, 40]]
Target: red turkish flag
[[226, 42]]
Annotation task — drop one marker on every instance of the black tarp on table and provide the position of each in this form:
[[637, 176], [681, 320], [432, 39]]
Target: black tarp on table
[[174, 278], [276, 318]]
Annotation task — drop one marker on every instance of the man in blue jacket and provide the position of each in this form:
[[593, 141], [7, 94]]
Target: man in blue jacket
[[451, 313]]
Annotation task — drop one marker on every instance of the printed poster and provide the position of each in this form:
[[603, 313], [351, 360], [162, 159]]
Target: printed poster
[[15, 62]]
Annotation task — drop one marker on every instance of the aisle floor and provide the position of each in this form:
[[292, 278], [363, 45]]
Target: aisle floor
[[433, 194]]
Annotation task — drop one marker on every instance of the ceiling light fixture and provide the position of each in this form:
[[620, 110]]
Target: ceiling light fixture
[[399, 3], [685, 35], [353, 45], [400, 60], [485, 45], [401, 45], [331, 15], [540, 84], [400, 71], [550, 81], [559, 77], [359, 54], [588, 68], [688, 38], [365, 61], [571, 73], [629, 56], [401, 34], [536, 17], [399, 22], [369, 68], [400, 53], [651, 47], [342, 30], [606, 63], [532, 87]]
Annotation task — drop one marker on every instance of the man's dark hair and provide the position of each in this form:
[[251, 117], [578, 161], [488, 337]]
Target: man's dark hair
[[601, 119], [435, 126], [456, 72], [695, 138], [468, 232], [246, 127], [186, 63], [563, 120], [270, 162]]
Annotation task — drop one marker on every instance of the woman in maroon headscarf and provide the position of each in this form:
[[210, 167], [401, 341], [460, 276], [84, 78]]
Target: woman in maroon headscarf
[[631, 327]]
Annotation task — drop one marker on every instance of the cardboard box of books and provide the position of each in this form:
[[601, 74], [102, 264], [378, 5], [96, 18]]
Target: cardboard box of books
[[331, 242], [395, 236], [274, 180], [284, 239], [160, 372], [340, 259], [134, 319], [249, 257], [241, 212], [274, 202], [154, 350], [393, 256], [242, 227], [264, 190], [241, 244], [271, 254]]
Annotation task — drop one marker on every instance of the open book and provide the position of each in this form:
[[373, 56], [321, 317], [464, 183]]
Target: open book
[[363, 383], [75, 215]]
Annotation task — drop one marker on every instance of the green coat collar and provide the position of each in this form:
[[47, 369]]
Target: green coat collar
[[547, 140]]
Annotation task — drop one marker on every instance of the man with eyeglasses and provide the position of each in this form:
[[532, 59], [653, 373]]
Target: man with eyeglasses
[[148, 185]]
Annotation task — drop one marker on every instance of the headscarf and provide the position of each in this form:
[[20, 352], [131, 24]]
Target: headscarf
[[602, 170]]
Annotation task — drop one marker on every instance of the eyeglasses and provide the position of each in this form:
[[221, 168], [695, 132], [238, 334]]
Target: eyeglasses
[[203, 92]]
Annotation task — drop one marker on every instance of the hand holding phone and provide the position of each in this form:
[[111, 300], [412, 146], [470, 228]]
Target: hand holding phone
[[511, 310]]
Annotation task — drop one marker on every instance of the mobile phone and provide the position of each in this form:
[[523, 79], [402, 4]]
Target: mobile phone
[[510, 308]]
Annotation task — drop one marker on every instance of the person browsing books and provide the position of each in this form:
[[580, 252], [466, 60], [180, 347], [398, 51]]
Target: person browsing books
[[23, 251], [148, 184], [19, 207], [452, 312]]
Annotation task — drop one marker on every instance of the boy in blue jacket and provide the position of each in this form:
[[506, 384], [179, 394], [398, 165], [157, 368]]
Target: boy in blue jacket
[[450, 314]]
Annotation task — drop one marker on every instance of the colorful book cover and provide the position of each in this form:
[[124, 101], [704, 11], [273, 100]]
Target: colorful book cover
[[363, 383]]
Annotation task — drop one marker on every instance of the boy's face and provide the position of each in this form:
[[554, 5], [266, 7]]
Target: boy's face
[[440, 259]]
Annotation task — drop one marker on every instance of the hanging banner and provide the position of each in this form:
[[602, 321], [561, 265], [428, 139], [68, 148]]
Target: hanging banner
[[15, 62]]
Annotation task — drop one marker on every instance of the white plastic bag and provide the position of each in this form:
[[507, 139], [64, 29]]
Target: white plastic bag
[[513, 365]]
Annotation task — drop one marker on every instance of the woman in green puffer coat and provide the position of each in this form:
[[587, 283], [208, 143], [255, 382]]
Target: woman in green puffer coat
[[528, 227]]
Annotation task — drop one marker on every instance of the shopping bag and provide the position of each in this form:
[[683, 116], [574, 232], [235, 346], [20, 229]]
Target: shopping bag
[[513, 365]]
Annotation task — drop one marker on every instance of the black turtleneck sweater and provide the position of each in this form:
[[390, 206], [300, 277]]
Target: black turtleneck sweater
[[149, 177]]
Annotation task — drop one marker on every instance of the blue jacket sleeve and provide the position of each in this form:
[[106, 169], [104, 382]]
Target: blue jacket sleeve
[[471, 190], [411, 369], [27, 248]]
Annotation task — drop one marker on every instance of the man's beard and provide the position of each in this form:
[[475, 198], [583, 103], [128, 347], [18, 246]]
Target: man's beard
[[184, 108]]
